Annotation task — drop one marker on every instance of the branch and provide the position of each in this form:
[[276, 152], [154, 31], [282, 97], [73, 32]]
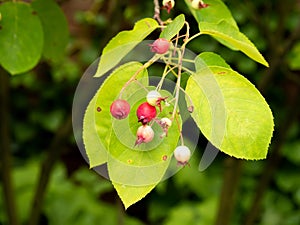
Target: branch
[[8, 191], [52, 155], [157, 12], [274, 160], [233, 170], [225, 212], [277, 61]]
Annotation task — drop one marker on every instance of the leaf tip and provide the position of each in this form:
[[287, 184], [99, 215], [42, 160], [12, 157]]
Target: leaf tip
[[267, 64]]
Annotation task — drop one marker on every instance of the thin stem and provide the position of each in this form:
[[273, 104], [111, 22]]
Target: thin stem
[[6, 159], [185, 60], [133, 78], [181, 136], [141, 85], [165, 73], [189, 97], [176, 43], [162, 78], [157, 12], [177, 86]]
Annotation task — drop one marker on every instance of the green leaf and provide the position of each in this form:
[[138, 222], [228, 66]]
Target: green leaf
[[95, 149], [229, 110], [216, 20], [123, 43], [97, 119], [127, 162], [130, 195], [173, 28], [21, 37], [110, 90], [294, 57], [230, 34], [209, 58], [138, 169], [134, 171], [214, 13], [55, 27]]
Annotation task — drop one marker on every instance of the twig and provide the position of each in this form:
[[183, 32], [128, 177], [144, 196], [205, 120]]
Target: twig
[[52, 155], [6, 161], [224, 214], [273, 161], [233, 171], [157, 12], [290, 42]]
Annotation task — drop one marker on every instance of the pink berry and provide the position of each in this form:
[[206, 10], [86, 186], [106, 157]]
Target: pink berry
[[120, 109], [145, 113], [160, 46], [144, 134], [182, 154]]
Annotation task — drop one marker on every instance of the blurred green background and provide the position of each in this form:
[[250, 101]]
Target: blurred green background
[[52, 184]]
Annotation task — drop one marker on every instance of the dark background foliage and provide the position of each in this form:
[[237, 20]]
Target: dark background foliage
[[50, 182]]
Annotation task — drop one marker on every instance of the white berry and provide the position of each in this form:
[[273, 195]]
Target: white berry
[[153, 97], [182, 154], [168, 2], [195, 4], [166, 122]]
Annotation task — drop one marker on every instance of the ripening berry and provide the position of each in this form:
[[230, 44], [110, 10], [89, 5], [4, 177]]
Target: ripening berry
[[145, 113], [166, 122], [198, 4], [153, 97], [191, 108], [144, 134], [168, 5], [120, 109], [160, 46], [182, 154]]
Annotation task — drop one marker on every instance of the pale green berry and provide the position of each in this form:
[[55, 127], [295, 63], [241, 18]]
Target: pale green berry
[[182, 154], [166, 122], [153, 97], [167, 3]]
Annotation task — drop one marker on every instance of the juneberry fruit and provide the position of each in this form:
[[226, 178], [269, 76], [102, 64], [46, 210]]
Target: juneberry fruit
[[144, 134], [168, 5], [120, 109], [145, 113], [191, 108], [153, 97], [166, 122], [199, 4], [182, 154], [160, 46]]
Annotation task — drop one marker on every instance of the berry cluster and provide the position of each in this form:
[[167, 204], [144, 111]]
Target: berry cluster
[[147, 112]]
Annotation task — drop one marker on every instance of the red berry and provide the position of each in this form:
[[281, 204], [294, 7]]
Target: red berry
[[145, 113], [120, 109], [160, 46], [144, 134]]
